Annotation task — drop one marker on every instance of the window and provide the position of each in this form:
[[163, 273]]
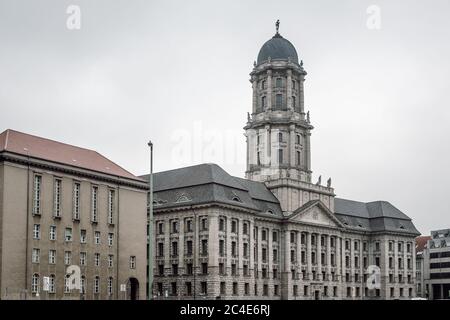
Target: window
[[234, 226], [278, 100], [174, 248], [263, 84], [189, 225], [133, 262], [233, 249], [265, 290], [245, 270], [293, 102], [293, 84], [258, 158], [235, 288], [67, 284], [37, 231], [111, 196], [76, 201], [245, 228], [263, 235], [52, 257], [174, 226], [203, 288], [204, 224], [278, 82], [221, 248], [175, 269], [52, 233], [83, 236], [68, 234], [221, 224], [263, 102], [189, 248], [94, 204], [97, 259], [57, 198], [204, 268], [245, 250], [280, 156], [274, 236], [35, 283], [110, 261], [275, 255], [37, 195], [82, 258], [408, 247], [204, 247], [96, 284], [377, 261], [51, 284], [110, 239], [377, 246], [280, 137], [160, 249], [391, 246], [221, 269], [83, 285], [246, 288], [35, 255], [110, 286], [67, 258], [189, 269], [298, 158], [264, 255], [97, 237], [161, 228]]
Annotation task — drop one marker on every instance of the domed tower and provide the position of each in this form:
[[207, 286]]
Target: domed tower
[[278, 130]]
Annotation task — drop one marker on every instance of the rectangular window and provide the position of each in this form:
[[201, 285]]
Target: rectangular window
[[35, 283], [204, 268], [67, 258], [298, 158], [221, 224], [96, 284], [204, 224], [51, 284], [111, 197], [36, 255], [278, 100], [234, 249], [76, 201], [204, 247], [161, 228], [110, 286], [37, 231], [68, 234], [110, 239], [160, 249], [174, 226], [57, 198], [83, 236], [203, 288], [82, 258], [174, 248], [94, 204], [37, 195], [110, 261], [97, 237], [280, 156], [278, 82], [52, 233], [97, 259], [52, 257], [133, 262]]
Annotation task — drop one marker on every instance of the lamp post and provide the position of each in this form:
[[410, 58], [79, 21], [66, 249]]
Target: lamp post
[[150, 226]]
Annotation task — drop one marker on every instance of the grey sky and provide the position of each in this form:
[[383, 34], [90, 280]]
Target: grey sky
[[177, 72]]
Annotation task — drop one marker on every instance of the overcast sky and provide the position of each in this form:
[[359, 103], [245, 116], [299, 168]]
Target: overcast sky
[[177, 72]]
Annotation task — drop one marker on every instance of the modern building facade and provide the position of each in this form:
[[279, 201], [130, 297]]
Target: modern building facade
[[435, 257], [275, 234], [62, 205]]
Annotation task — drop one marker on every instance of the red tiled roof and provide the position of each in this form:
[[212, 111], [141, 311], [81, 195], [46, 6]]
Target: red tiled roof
[[54, 151], [421, 242]]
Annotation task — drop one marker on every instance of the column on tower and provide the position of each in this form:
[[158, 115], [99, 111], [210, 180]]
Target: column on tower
[[301, 99], [269, 91], [268, 146], [289, 90], [292, 145]]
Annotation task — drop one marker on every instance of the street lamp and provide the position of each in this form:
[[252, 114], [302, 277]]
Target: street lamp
[[150, 226]]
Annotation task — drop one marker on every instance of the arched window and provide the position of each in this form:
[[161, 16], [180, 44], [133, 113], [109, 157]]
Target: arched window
[[52, 284], [83, 285], [35, 283], [96, 284], [110, 286]]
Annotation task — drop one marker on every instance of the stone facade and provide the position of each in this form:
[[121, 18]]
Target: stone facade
[[305, 244]]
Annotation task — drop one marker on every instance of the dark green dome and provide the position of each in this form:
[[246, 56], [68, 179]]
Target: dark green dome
[[277, 48]]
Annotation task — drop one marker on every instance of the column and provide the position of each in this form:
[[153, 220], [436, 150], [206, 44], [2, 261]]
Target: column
[[301, 99], [319, 256], [255, 94], [287, 251], [289, 90], [308, 255], [267, 146], [269, 90], [299, 252], [291, 146], [328, 256], [338, 259]]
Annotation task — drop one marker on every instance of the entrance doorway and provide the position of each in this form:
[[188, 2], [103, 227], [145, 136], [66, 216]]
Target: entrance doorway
[[133, 289], [317, 295]]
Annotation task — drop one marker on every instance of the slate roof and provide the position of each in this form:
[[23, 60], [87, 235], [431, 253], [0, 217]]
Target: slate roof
[[45, 149], [277, 48], [373, 216], [209, 183]]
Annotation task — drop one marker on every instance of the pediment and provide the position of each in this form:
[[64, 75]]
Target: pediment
[[315, 212]]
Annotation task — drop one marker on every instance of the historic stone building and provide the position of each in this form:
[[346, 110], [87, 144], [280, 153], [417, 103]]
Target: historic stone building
[[62, 205], [275, 234]]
